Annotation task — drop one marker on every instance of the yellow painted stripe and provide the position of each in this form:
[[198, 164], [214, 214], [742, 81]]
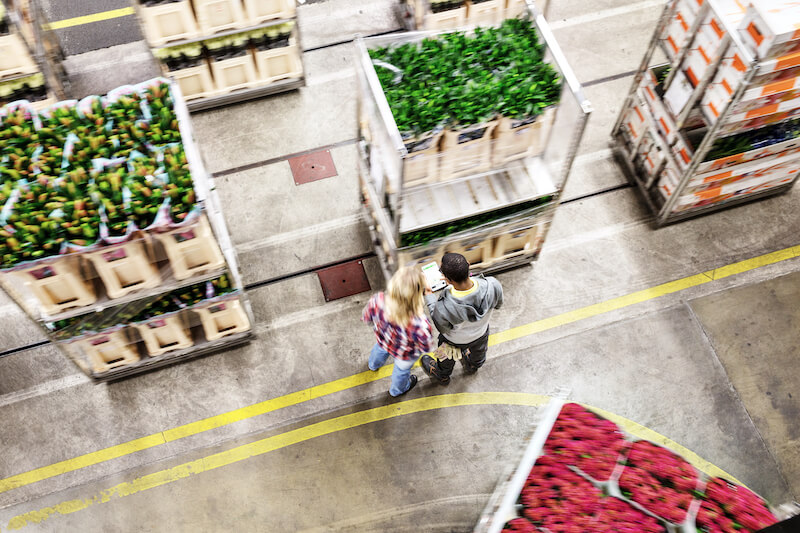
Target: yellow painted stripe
[[341, 423], [599, 308], [363, 378], [87, 19]]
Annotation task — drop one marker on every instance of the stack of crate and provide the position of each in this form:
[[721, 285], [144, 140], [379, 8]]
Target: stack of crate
[[198, 29], [20, 74], [734, 73], [452, 14]]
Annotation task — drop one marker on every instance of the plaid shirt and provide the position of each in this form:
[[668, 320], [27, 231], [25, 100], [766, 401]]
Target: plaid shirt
[[405, 343]]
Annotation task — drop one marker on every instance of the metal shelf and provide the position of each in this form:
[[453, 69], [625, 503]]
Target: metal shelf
[[440, 203], [245, 94], [148, 363], [105, 303], [662, 208], [16, 77], [226, 33]]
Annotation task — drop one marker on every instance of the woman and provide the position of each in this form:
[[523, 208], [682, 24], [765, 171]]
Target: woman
[[401, 328]]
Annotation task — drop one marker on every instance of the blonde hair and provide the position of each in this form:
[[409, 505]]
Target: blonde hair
[[405, 295]]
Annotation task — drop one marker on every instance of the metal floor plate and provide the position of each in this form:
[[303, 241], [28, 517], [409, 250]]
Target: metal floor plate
[[343, 280], [312, 167]]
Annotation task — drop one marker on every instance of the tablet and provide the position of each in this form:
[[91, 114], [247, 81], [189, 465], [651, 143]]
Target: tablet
[[435, 279]]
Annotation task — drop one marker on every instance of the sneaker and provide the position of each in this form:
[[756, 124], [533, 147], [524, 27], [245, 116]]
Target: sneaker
[[428, 364], [412, 382]]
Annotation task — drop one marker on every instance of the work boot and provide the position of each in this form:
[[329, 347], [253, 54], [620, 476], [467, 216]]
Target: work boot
[[429, 366], [468, 368]]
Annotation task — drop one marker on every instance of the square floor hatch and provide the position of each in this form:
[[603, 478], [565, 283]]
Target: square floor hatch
[[343, 280], [312, 167]]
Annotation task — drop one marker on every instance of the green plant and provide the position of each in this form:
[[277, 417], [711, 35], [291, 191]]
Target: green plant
[[459, 79]]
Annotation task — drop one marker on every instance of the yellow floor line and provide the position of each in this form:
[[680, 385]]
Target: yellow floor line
[[333, 425], [86, 19], [295, 398]]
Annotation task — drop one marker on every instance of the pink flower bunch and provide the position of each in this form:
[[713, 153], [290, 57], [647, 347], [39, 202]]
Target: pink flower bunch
[[619, 516], [659, 480], [558, 499], [731, 508], [519, 525], [583, 439]]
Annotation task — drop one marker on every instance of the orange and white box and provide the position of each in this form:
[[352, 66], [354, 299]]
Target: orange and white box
[[775, 86], [787, 163], [769, 26], [649, 155], [785, 149], [683, 153], [782, 62], [714, 101], [662, 119], [635, 122], [779, 103], [668, 182]]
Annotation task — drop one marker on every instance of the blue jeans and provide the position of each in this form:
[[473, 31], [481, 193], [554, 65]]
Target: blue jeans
[[400, 374]]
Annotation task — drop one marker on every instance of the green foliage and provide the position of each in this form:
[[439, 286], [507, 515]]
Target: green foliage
[[458, 80]]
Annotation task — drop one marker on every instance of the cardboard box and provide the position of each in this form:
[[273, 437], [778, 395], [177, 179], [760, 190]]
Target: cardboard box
[[768, 26], [787, 148]]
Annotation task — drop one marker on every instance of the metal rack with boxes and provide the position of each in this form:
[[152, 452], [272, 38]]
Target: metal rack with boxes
[[225, 51], [725, 99]]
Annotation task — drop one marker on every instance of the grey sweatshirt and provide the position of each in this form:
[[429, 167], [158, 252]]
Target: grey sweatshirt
[[465, 319]]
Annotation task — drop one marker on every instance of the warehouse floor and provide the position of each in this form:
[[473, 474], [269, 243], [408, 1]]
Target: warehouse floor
[[292, 432]]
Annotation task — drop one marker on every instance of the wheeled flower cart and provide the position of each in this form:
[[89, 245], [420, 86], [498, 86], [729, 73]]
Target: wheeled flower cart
[[461, 155], [580, 472], [111, 234]]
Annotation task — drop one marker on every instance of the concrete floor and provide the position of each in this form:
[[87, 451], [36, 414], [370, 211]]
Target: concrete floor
[[710, 367]]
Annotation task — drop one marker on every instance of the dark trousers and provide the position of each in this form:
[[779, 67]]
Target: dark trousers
[[474, 355]]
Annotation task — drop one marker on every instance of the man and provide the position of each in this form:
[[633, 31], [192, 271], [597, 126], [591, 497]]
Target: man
[[461, 313]]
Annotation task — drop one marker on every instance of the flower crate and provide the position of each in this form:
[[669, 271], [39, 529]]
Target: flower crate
[[234, 73], [466, 151], [421, 166], [192, 249], [14, 57], [258, 11], [279, 63], [478, 249], [485, 13], [165, 334], [223, 318], [219, 15], [420, 255], [516, 139], [125, 268], [58, 284], [519, 242], [108, 351], [195, 82], [169, 22], [444, 20]]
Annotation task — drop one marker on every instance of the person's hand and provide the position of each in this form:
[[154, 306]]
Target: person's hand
[[428, 290]]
